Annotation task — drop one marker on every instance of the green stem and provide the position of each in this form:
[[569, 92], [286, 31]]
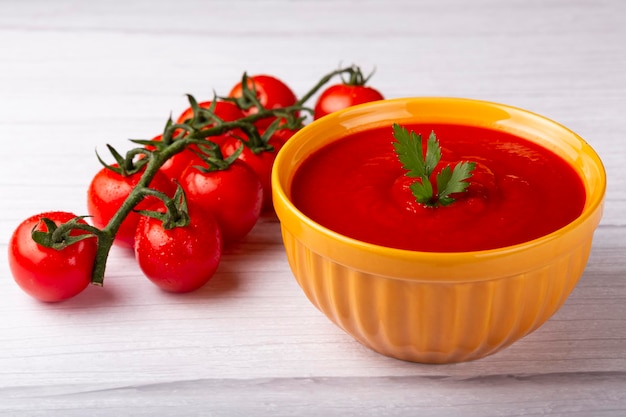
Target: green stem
[[107, 234], [105, 240], [323, 81]]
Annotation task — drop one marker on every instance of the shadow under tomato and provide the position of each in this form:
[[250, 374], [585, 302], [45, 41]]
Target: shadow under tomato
[[221, 283], [91, 298]]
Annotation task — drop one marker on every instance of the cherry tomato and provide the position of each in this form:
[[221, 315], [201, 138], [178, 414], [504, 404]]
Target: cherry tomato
[[109, 189], [261, 163], [341, 96], [271, 92], [180, 259], [234, 196], [48, 274]]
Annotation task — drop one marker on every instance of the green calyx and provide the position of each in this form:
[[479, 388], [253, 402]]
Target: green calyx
[[356, 77], [211, 154], [59, 237], [176, 212]]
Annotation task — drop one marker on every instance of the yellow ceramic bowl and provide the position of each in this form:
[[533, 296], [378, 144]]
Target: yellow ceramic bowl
[[437, 307]]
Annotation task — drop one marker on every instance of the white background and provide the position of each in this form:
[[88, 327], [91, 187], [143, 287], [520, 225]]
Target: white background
[[76, 75]]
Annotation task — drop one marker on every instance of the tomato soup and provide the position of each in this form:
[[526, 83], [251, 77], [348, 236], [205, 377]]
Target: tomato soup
[[518, 191]]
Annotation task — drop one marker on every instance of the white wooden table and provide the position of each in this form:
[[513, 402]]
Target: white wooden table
[[75, 75]]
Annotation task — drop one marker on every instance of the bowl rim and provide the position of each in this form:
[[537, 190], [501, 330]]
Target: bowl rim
[[591, 212]]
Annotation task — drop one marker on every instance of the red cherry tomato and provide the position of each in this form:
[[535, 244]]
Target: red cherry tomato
[[233, 195], [180, 259], [49, 274], [261, 163], [108, 190], [271, 92], [342, 96]]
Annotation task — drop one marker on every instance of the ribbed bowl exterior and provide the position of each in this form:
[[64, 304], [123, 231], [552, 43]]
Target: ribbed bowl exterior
[[434, 322], [437, 307]]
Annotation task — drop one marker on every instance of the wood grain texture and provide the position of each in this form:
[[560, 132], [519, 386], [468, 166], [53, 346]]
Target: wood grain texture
[[75, 75]]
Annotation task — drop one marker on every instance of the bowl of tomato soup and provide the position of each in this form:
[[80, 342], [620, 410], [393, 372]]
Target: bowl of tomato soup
[[426, 281]]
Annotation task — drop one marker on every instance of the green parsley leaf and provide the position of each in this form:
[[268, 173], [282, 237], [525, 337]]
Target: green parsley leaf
[[423, 191], [453, 181], [433, 153], [409, 149], [410, 152]]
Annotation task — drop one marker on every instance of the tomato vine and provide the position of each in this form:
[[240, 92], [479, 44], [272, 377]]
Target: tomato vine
[[195, 133]]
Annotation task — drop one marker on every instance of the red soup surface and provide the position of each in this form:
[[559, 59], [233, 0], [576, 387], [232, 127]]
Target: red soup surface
[[519, 191]]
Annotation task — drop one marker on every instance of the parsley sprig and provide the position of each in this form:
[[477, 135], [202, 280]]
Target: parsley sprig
[[410, 152]]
